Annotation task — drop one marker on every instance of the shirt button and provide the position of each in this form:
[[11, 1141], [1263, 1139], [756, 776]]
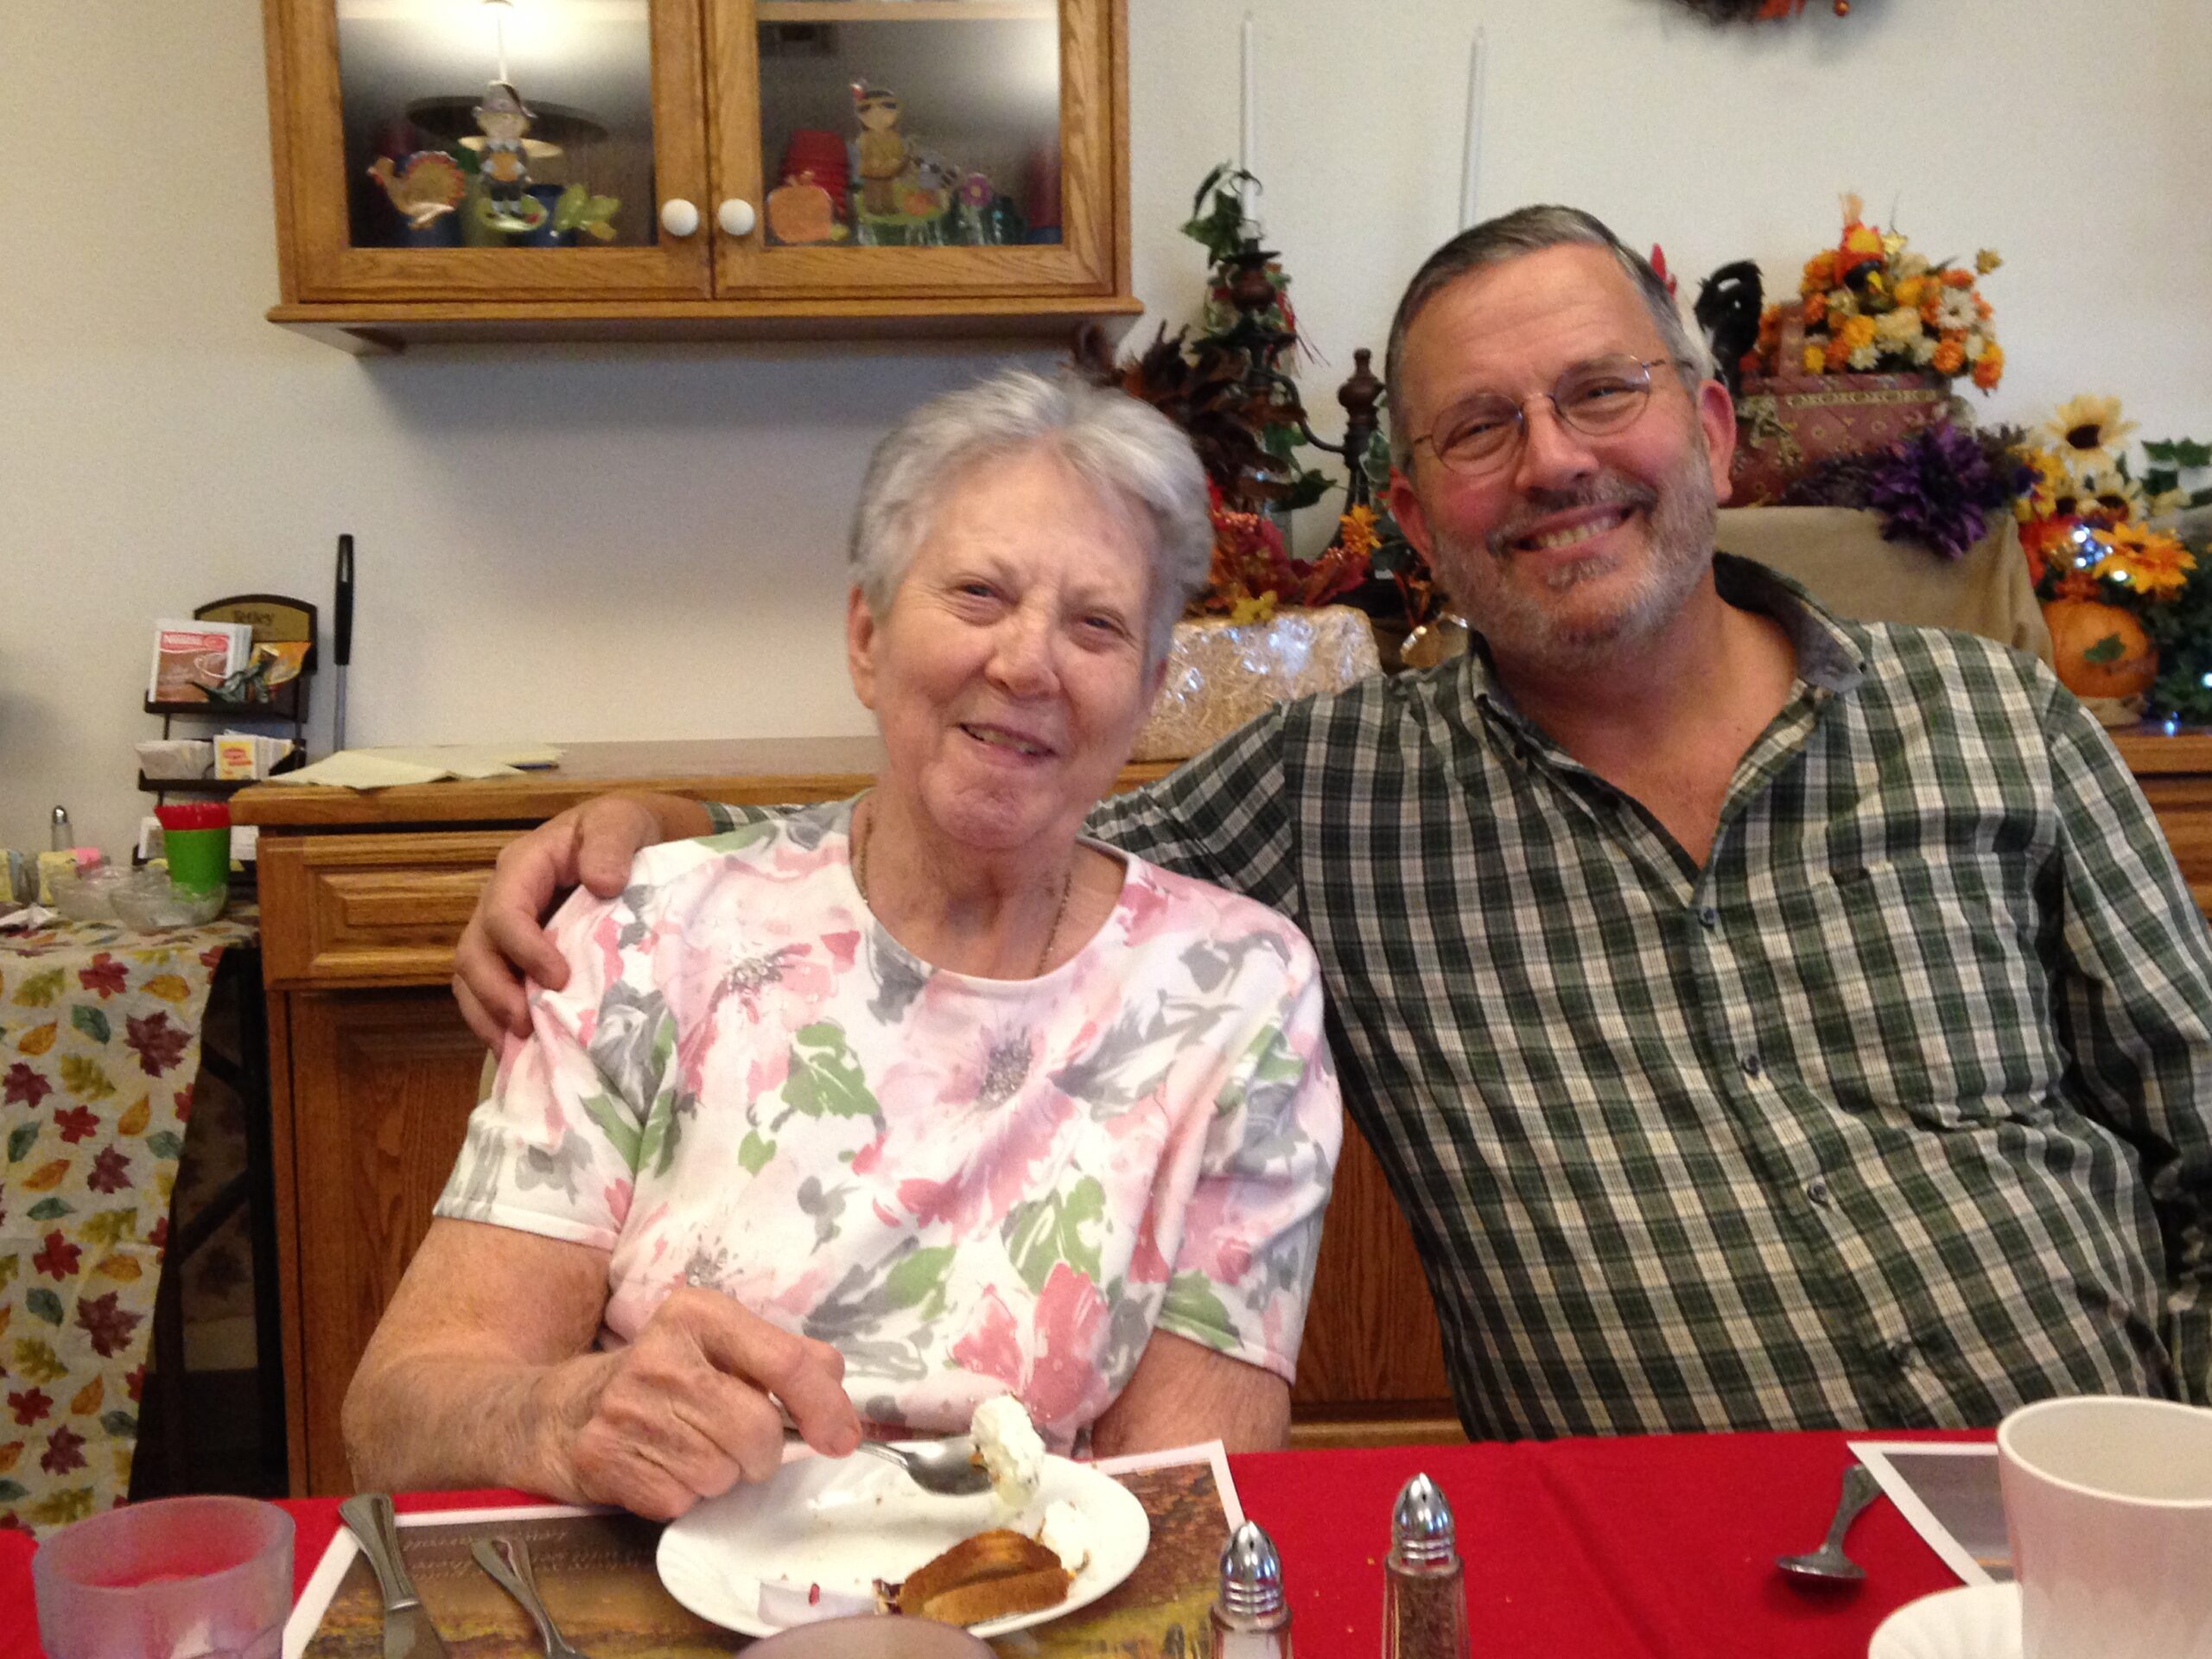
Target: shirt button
[[1902, 1354], [1708, 917], [1751, 1063], [1817, 1191]]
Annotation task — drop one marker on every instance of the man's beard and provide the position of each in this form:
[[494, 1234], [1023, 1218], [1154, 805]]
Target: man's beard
[[1521, 627]]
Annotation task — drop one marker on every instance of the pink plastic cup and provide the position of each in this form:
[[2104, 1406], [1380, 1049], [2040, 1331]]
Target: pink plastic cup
[[181, 1578]]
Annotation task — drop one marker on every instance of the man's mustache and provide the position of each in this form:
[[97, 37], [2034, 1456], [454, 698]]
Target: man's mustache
[[1610, 490]]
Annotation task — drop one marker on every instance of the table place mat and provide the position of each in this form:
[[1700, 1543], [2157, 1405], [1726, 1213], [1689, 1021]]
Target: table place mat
[[595, 1568], [1950, 1495]]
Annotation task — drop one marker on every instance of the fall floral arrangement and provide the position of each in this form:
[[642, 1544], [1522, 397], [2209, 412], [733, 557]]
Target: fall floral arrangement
[[1874, 304], [2116, 572], [1940, 486], [1227, 384]]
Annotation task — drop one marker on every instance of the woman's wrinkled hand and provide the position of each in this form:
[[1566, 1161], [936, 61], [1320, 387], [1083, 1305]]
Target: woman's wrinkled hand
[[505, 943], [690, 1409]]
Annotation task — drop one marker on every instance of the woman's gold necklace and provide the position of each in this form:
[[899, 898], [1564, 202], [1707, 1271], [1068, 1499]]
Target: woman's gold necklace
[[1067, 886]]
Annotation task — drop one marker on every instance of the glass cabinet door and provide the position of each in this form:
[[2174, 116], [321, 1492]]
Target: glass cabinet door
[[497, 149], [915, 147]]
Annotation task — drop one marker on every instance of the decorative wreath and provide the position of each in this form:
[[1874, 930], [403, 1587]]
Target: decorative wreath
[[1755, 11]]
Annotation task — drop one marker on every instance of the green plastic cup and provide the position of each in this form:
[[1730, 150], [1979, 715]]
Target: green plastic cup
[[199, 859]]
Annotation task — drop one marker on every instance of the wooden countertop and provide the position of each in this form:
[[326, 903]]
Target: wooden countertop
[[762, 771], [745, 771], [2152, 752]]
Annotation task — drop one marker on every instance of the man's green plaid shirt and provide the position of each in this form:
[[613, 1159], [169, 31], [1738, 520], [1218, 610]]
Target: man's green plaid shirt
[[1897, 1113]]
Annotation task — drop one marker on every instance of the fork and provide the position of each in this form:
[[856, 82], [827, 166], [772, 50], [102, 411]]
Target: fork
[[507, 1559]]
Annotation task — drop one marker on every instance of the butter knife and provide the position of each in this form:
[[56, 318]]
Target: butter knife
[[408, 1633]]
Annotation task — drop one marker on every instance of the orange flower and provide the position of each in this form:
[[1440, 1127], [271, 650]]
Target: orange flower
[[1954, 278], [1950, 355], [1819, 272], [1837, 359], [1989, 367], [1983, 309], [2076, 584], [1859, 332], [1816, 309], [1356, 531], [2150, 561], [1816, 359], [2046, 542]]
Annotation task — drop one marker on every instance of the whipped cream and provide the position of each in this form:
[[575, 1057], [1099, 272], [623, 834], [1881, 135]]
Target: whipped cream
[[1066, 1534], [1009, 1448]]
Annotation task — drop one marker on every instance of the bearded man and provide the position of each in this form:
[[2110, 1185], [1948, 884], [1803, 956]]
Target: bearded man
[[1764, 1019]]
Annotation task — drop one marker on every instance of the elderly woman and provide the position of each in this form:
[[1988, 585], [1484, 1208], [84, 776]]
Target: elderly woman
[[879, 1108]]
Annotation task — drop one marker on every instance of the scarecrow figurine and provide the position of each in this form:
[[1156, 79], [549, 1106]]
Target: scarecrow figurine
[[505, 117], [883, 151]]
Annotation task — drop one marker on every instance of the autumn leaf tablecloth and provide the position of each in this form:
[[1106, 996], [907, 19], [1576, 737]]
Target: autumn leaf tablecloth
[[100, 1047]]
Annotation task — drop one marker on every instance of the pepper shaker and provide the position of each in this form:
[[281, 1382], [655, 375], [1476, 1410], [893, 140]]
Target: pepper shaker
[[1424, 1594], [1250, 1618]]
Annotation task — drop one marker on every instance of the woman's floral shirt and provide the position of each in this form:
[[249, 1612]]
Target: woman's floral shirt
[[971, 1186]]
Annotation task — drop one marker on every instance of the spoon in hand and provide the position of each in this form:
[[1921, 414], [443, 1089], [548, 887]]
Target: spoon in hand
[[1828, 1563], [945, 1467]]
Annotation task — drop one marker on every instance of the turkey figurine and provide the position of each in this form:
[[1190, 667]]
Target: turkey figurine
[[425, 185]]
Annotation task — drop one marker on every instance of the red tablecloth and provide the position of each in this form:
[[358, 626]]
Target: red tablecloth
[[1650, 1548]]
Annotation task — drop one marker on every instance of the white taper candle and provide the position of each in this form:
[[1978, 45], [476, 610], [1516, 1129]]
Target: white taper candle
[[1471, 158]]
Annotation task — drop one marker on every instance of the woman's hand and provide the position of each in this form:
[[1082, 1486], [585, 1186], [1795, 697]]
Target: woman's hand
[[504, 941], [689, 1410], [482, 1373]]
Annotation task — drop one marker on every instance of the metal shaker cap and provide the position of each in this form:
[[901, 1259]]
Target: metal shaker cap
[[1251, 1574], [1421, 1532]]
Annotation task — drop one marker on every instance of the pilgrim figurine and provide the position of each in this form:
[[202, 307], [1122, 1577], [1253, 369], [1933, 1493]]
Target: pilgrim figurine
[[505, 117]]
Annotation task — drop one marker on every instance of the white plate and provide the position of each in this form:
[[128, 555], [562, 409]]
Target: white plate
[[1975, 1621], [844, 1522]]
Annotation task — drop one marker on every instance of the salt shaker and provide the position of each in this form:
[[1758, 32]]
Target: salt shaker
[[1424, 1594], [1251, 1620], [61, 838]]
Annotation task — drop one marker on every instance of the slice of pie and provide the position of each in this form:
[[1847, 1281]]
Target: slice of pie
[[993, 1574]]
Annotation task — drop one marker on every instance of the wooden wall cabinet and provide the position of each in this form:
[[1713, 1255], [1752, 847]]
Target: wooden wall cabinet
[[684, 110], [374, 1074]]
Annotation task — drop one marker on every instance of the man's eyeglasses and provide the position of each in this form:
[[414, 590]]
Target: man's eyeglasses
[[1602, 396]]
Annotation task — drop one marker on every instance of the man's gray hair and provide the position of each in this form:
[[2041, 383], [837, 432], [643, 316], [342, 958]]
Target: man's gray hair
[[1524, 230], [1138, 461]]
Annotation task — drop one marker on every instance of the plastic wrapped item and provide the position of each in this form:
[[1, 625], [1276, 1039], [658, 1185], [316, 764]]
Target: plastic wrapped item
[[149, 900], [87, 895], [144, 899], [1220, 674], [177, 758]]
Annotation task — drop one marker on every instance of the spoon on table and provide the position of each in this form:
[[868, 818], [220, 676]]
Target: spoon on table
[[1828, 1564], [945, 1467]]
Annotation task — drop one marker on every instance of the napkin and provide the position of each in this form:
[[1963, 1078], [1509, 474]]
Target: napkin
[[380, 768]]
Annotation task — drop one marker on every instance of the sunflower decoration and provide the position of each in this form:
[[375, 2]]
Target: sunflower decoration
[[1872, 303], [2087, 431], [2108, 555]]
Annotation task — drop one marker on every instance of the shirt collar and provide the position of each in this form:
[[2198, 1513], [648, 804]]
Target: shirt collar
[[1828, 658]]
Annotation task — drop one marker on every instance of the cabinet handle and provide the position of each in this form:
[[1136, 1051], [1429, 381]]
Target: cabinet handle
[[736, 217], [678, 216]]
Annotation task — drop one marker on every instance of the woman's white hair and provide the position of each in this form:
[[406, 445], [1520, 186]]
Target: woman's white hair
[[1134, 457]]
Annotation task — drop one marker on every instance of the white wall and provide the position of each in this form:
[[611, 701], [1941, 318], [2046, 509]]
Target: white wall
[[608, 542]]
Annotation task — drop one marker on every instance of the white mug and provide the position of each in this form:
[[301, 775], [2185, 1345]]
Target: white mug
[[2109, 1502]]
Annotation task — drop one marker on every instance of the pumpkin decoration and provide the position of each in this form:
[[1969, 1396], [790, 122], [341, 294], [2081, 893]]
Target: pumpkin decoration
[[2100, 650]]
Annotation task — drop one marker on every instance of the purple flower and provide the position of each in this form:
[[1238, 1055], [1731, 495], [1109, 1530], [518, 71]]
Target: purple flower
[[1938, 487]]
